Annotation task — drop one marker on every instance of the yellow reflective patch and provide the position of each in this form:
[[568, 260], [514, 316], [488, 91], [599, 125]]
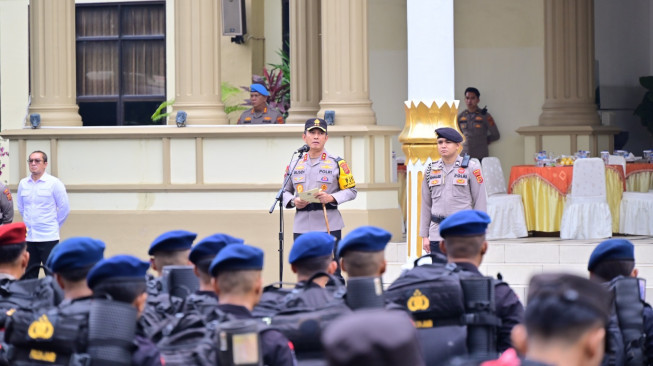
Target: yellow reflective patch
[[42, 356], [417, 302], [41, 328], [424, 323]]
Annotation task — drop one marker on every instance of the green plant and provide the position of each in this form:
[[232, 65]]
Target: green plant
[[230, 98], [284, 66], [645, 109], [162, 110], [277, 81]]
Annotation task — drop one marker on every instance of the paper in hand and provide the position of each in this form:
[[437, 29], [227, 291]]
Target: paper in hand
[[310, 195]]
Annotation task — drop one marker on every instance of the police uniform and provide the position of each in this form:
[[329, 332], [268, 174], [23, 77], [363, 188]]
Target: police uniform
[[6, 205], [267, 116], [616, 250], [328, 173], [276, 347], [508, 307], [479, 130], [446, 190], [127, 268]]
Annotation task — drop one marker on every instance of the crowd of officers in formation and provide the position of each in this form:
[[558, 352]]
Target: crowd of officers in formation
[[207, 305]]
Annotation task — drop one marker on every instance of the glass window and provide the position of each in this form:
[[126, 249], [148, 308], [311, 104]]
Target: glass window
[[121, 64]]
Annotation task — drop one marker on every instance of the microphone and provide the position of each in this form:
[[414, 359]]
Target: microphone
[[303, 149]]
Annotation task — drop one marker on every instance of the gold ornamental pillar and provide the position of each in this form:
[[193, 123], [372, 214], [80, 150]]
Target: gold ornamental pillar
[[345, 62], [419, 144], [52, 55], [569, 64], [198, 32], [305, 57]]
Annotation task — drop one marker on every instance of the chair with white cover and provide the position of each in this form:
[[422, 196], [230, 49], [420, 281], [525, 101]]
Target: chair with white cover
[[636, 213], [617, 160], [586, 214], [505, 210]]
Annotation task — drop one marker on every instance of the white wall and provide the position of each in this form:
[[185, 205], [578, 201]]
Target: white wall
[[499, 48], [387, 63], [14, 61], [623, 49]]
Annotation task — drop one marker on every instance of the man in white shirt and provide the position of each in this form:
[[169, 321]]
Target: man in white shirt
[[43, 204]]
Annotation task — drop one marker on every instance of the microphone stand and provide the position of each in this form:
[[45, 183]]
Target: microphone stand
[[279, 198]]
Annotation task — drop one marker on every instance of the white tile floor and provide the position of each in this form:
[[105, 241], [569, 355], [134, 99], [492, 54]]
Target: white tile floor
[[518, 259]]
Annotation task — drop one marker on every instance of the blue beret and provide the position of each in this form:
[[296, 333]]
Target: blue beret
[[76, 252], [119, 266], [172, 241], [612, 249], [449, 134], [465, 223], [365, 239], [310, 245], [237, 257], [211, 246], [259, 88]]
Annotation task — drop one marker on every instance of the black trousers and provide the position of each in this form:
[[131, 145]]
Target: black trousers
[[338, 235], [39, 251], [435, 247]]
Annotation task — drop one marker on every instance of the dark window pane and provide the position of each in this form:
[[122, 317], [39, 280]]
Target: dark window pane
[[144, 20], [144, 67], [140, 113], [98, 113], [95, 21], [97, 68]]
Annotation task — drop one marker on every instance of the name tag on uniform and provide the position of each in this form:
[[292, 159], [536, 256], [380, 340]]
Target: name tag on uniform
[[435, 182]]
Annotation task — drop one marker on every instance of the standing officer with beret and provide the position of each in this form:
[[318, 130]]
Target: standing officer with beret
[[450, 184], [614, 258], [201, 255], [328, 173], [70, 261], [236, 272], [477, 125], [261, 112], [464, 244]]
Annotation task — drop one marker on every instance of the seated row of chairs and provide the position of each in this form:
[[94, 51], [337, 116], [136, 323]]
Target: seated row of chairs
[[586, 214]]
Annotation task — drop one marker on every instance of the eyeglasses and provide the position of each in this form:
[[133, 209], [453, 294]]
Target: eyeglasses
[[37, 161]]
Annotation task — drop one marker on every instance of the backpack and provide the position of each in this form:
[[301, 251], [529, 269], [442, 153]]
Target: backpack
[[33, 294], [454, 310], [303, 313], [626, 337], [84, 332], [159, 306]]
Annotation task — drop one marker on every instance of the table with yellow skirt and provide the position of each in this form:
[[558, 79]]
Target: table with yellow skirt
[[544, 191], [639, 177]]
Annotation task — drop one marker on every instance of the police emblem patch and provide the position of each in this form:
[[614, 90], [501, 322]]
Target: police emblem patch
[[300, 188]]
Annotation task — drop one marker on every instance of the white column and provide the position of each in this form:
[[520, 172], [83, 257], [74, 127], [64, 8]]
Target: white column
[[431, 102]]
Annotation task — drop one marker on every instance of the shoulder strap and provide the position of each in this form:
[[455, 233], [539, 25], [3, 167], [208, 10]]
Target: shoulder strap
[[630, 310], [427, 175]]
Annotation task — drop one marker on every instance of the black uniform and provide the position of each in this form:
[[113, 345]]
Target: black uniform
[[202, 302], [648, 330], [276, 347], [509, 309]]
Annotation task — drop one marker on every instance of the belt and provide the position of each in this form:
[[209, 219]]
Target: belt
[[437, 219], [317, 207]]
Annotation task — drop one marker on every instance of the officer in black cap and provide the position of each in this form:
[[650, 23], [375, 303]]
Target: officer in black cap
[[464, 244], [328, 174], [236, 272], [613, 259], [565, 321], [122, 278], [451, 183], [70, 261], [201, 255], [372, 337]]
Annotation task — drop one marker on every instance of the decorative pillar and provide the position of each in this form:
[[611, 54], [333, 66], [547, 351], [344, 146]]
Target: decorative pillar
[[198, 32], [431, 102], [52, 55], [345, 69], [569, 64], [305, 57]]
